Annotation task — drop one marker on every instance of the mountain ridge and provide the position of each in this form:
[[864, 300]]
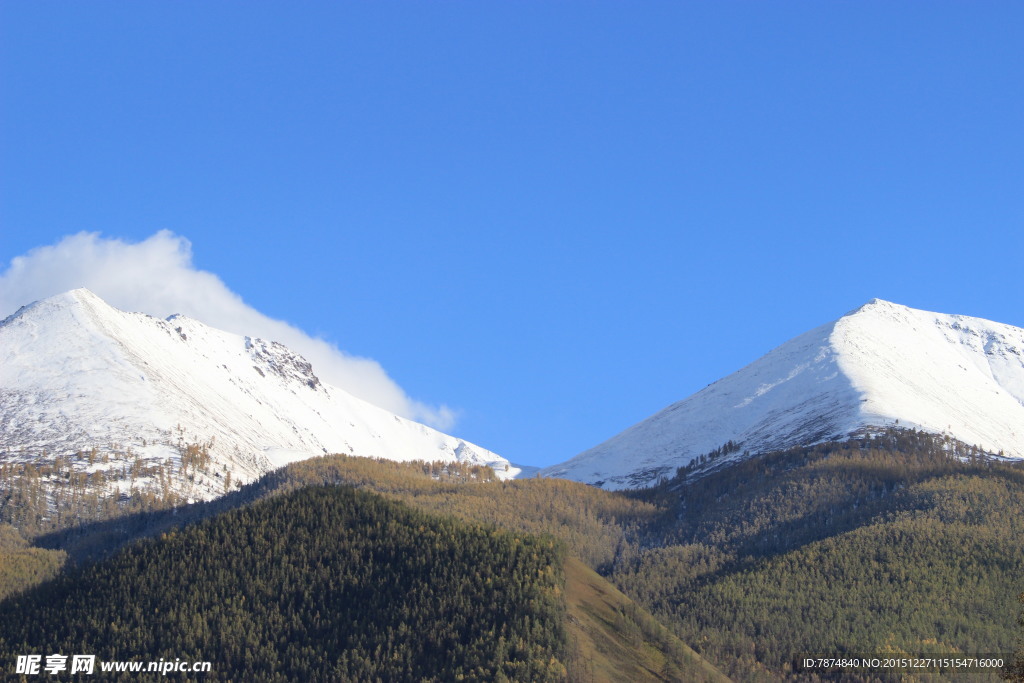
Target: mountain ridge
[[77, 374], [879, 365]]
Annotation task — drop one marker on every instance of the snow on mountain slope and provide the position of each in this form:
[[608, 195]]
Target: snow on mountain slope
[[76, 374], [880, 365]]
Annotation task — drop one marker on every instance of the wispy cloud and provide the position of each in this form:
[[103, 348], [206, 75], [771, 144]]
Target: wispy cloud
[[157, 276]]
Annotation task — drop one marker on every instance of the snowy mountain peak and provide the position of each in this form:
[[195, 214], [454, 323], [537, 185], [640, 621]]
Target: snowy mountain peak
[[880, 365], [873, 303], [77, 374], [75, 297], [81, 298], [84, 295]]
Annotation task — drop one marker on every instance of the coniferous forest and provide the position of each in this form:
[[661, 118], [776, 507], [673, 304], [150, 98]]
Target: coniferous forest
[[344, 568], [321, 584]]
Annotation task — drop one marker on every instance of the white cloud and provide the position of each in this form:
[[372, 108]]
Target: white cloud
[[156, 276]]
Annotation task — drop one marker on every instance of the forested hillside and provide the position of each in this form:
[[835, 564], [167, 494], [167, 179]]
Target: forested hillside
[[22, 566], [603, 635], [898, 542], [321, 584], [894, 542]]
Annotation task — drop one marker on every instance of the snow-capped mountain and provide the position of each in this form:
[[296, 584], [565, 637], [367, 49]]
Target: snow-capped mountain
[[878, 366], [77, 374]]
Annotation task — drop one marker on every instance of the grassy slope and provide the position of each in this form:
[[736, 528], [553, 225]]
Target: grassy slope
[[615, 640]]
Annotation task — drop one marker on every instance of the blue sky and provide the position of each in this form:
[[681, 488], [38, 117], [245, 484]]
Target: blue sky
[[553, 218]]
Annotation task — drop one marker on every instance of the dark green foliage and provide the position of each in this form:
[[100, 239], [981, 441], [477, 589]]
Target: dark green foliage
[[886, 543], [321, 584], [21, 566], [883, 544], [1015, 671]]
